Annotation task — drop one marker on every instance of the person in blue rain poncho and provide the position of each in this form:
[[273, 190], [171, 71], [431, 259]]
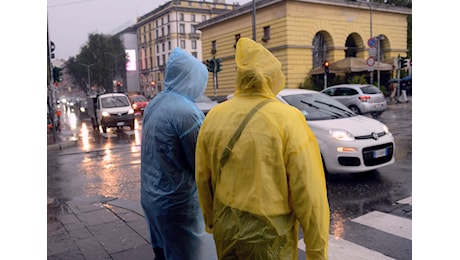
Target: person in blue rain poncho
[[255, 188], [168, 191]]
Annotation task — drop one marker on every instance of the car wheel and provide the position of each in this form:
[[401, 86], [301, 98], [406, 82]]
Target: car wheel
[[355, 110], [376, 114]]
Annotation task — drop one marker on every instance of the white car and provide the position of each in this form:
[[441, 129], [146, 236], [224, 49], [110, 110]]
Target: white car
[[349, 143], [205, 103]]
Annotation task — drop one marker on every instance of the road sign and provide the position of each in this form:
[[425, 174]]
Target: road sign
[[371, 42], [370, 61], [372, 52]]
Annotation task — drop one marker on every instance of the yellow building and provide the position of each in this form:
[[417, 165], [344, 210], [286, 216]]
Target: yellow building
[[169, 26], [303, 34]]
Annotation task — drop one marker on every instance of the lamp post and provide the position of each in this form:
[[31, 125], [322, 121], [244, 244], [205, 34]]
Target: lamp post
[[115, 56], [370, 26], [379, 38], [89, 78], [254, 35]]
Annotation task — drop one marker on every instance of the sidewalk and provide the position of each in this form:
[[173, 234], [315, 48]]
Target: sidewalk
[[94, 228], [98, 228]]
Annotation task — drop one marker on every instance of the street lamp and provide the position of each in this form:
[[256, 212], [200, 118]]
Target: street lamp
[[116, 63], [379, 38], [89, 78]]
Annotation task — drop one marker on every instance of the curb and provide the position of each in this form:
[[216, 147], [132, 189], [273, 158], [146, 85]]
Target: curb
[[62, 145]]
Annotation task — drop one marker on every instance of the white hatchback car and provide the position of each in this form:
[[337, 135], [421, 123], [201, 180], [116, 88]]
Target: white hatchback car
[[349, 143], [361, 98]]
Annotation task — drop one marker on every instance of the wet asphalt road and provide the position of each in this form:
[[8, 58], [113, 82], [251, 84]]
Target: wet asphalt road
[[108, 165]]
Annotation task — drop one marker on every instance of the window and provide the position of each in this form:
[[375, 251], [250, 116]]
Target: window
[[163, 47], [168, 30], [195, 54], [237, 37], [203, 18], [169, 45], [266, 34], [213, 47], [182, 44], [192, 18], [182, 28], [181, 17], [194, 44]]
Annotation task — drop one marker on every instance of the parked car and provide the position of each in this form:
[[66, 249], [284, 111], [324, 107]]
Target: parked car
[[205, 103], [360, 98], [349, 142], [138, 102]]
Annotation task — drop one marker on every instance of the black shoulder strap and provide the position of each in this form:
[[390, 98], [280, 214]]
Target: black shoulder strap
[[236, 135]]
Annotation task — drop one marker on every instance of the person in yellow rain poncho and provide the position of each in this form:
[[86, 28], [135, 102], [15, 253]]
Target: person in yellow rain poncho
[[258, 179]]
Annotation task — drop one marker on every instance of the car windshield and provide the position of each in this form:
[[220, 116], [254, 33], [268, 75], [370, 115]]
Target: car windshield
[[138, 98], [318, 106], [114, 101]]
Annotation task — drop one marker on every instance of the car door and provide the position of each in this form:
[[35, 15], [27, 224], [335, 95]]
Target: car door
[[345, 96]]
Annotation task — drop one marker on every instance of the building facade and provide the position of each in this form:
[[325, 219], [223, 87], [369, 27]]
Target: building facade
[[303, 34], [171, 25], [130, 83]]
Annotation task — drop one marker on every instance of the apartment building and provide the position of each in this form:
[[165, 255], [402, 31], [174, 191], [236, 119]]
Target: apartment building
[[302, 34], [168, 26]]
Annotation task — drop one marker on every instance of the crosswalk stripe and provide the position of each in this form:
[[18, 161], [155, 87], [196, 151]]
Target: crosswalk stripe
[[395, 225], [407, 200], [340, 249]]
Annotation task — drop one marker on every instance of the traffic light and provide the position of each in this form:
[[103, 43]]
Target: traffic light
[[403, 62], [218, 64], [326, 66], [57, 74], [211, 64]]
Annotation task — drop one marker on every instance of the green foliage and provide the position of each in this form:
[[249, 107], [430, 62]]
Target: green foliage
[[357, 79], [104, 58]]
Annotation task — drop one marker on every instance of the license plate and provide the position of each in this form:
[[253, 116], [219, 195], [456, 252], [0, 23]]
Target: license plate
[[380, 153], [120, 123]]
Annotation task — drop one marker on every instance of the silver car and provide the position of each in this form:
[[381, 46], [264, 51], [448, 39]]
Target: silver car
[[360, 98]]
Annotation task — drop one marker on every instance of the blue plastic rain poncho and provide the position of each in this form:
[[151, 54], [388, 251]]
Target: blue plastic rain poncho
[[168, 190], [273, 178]]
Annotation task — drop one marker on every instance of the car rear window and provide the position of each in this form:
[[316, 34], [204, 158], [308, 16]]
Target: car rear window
[[370, 90]]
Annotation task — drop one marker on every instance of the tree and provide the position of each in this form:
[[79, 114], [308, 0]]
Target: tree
[[104, 58]]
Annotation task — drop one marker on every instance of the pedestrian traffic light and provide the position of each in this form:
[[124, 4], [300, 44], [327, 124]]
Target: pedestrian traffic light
[[57, 74], [218, 65], [326, 66]]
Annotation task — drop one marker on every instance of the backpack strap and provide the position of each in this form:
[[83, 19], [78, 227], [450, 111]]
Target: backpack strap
[[237, 134]]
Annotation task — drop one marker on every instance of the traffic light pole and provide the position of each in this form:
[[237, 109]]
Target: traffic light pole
[[214, 73]]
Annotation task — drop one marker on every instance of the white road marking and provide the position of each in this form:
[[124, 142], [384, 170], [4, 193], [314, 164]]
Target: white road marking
[[388, 223], [340, 249]]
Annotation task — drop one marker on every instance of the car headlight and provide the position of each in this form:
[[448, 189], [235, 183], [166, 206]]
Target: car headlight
[[82, 109], [131, 111], [105, 113], [385, 129], [134, 106], [341, 135]]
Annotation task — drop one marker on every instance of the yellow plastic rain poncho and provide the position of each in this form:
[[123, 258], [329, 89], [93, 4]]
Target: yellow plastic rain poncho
[[273, 178], [169, 196]]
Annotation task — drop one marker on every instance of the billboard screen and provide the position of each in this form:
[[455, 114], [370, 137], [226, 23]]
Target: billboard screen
[[131, 57]]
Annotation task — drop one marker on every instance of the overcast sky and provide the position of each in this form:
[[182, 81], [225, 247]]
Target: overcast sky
[[71, 21]]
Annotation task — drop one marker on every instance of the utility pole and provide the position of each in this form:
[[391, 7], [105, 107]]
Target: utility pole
[[254, 34], [115, 56]]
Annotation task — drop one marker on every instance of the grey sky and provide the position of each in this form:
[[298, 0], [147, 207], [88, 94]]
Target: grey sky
[[71, 21]]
